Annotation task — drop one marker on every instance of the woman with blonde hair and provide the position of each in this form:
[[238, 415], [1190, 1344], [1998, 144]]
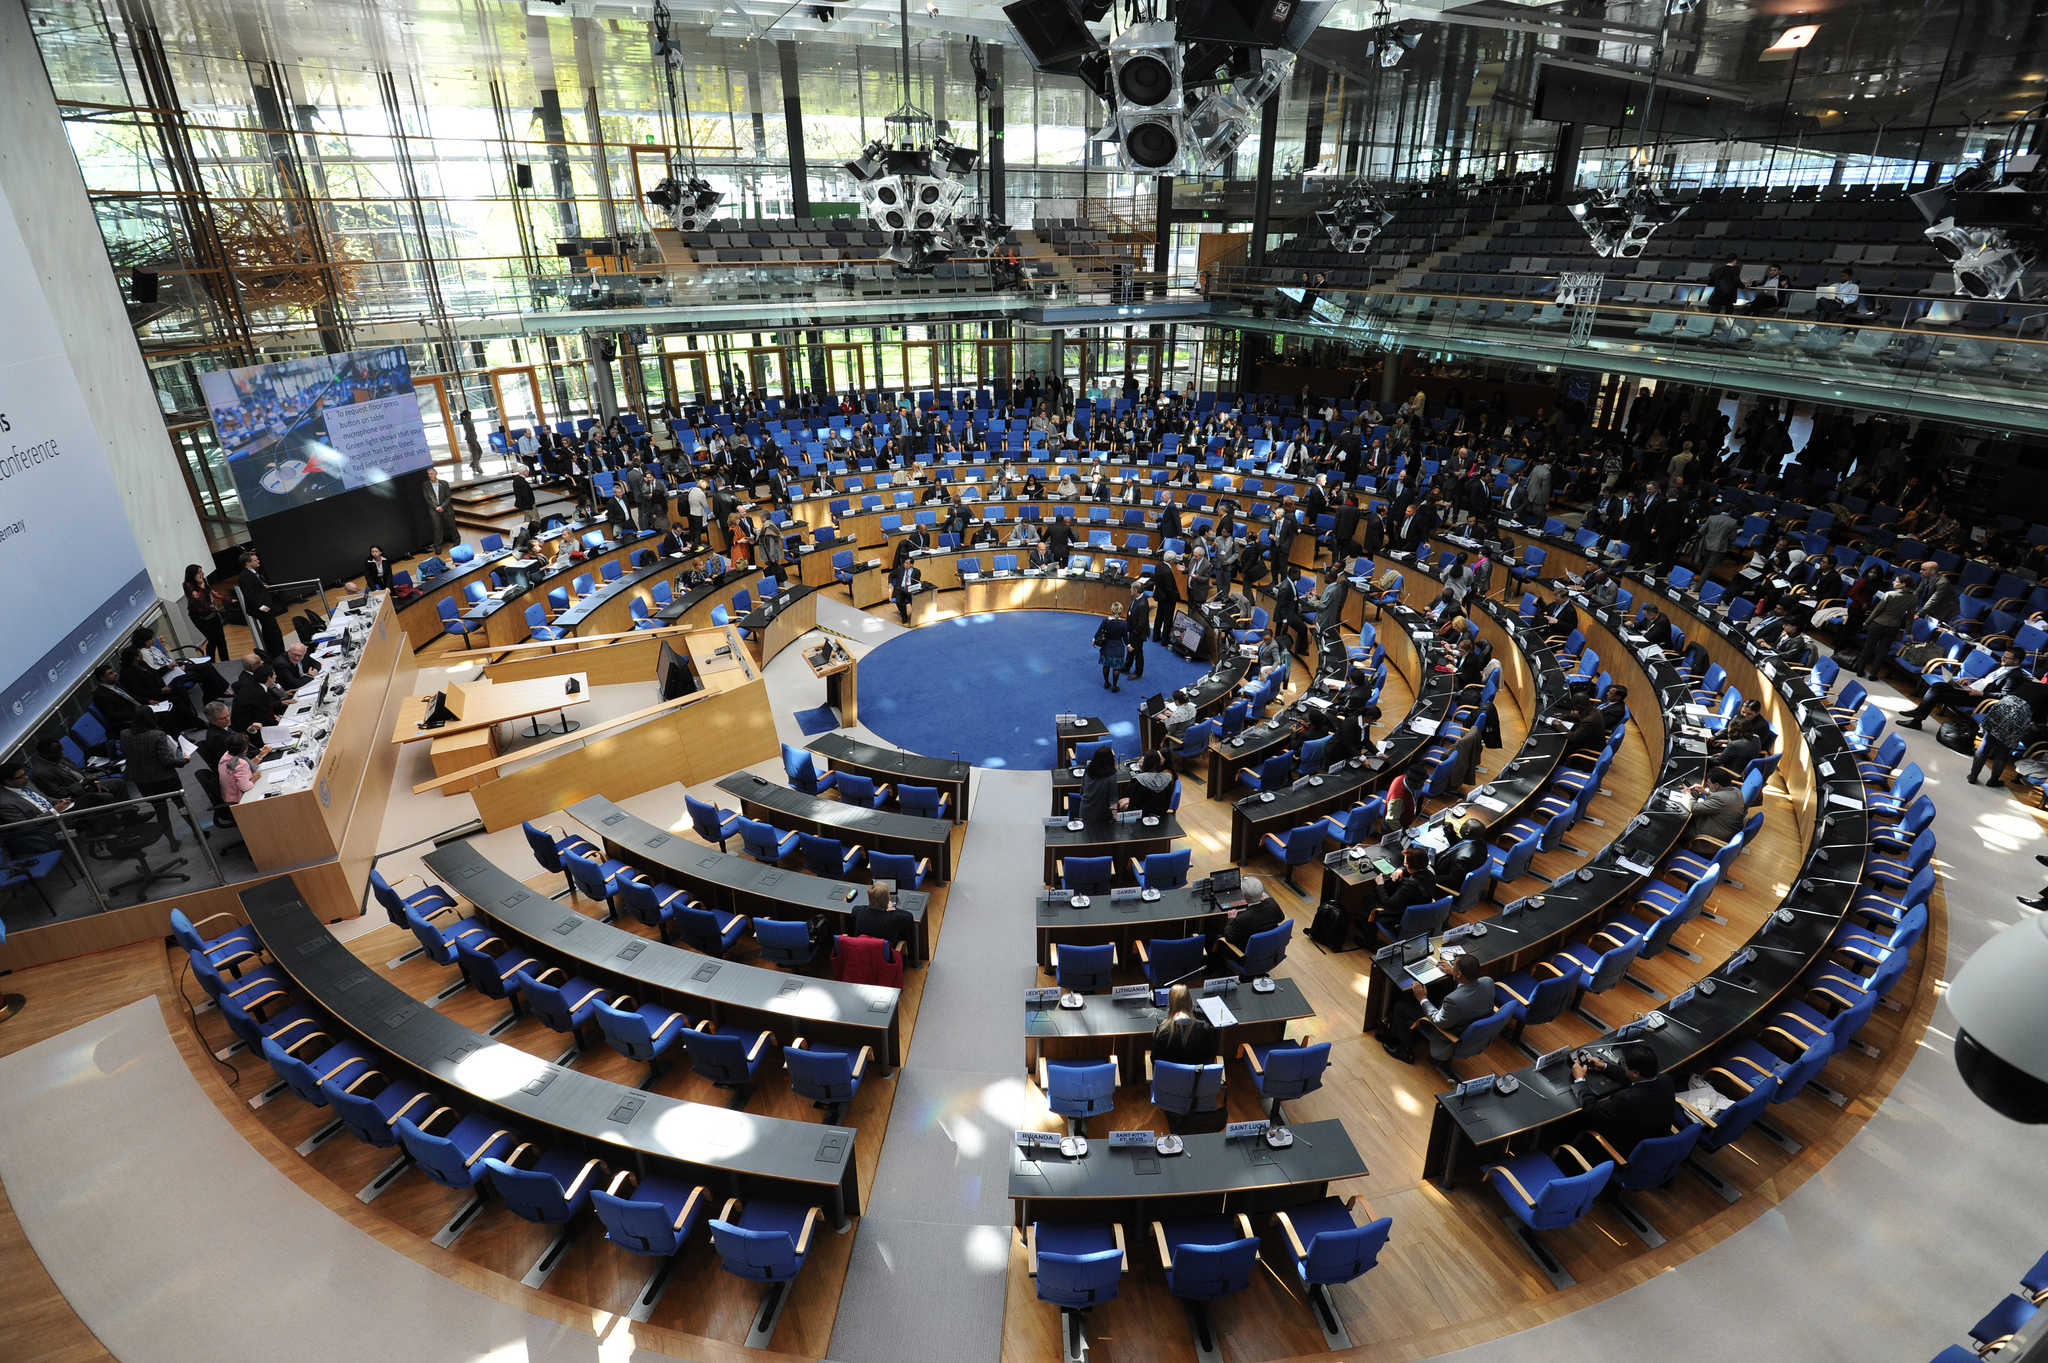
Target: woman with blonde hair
[[1183, 1036]]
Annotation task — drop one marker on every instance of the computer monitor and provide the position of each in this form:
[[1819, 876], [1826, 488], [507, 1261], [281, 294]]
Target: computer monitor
[[672, 674], [1187, 631]]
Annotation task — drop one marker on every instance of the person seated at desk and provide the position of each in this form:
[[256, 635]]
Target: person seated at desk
[[984, 537], [1408, 887], [1461, 858], [58, 777], [1024, 535], [1152, 788], [214, 741], [295, 668], [1351, 734], [1099, 488], [880, 917], [1614, 709], [1558, 620], [1260, 913], [670, 546], [1177, 714], [1716, 807], [1034, 488], [1740, 744], [1183, 1036], [20, 801], [1467, 1003], [916, 541], [1638, 1112], [1067, 487], [255, 703], [146, 683], [237, 768], [377, 570], [1657, 631]]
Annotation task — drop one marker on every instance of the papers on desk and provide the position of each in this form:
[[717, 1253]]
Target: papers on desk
[[1696, 711], [276, 736], [1488, 802], [1423, 726], [1844, 801], [1634, 868], [1693, 746], [1432, 838], [1219, 1016], [521, 562], [1650, 653], [276, 762]]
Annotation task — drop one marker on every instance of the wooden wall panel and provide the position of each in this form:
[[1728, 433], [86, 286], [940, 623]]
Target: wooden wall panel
[[708, 738], [628, 660]]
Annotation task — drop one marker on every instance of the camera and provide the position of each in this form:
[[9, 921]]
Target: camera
[[2002, 1009]]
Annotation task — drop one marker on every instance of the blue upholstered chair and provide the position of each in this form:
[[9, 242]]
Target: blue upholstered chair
[[828, 1076], [1080, 1089], [1285, 1069]]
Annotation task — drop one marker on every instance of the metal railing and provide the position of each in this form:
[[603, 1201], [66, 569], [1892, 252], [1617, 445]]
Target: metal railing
[[84, 828], [1888, 354]]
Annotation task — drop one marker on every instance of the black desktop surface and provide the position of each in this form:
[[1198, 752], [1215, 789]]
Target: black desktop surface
[[905, 766], [734, 1150], [1208, 1164], [1101, 1015], [859, 823], [561, 931]]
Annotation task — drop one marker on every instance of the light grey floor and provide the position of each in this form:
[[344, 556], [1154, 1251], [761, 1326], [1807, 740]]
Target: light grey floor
[[929, 1269], [150, 1212]]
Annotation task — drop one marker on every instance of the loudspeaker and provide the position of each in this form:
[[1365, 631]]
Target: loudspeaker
[[1052, 34], [522, 175], [568, 248], [1251, 23], [143, 286]]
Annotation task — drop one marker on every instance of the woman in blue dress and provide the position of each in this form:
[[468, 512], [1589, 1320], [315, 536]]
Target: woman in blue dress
[[1111, 639]]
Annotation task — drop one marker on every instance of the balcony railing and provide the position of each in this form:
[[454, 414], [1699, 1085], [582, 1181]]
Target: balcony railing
[[1874, 357]]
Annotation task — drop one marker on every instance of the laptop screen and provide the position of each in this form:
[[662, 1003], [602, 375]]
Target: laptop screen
[[1415, 950], [1225, 882]]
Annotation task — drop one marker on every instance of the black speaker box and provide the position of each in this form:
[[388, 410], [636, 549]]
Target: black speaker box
[[1052, 34], [523, 174], [143, 286], [568, 248]]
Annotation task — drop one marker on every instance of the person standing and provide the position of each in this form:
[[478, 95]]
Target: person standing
[[1287, 608], [440, 501], [476, 453], [1166, 594], [260, 607], [522, 498], [1881, 627], [1112, 647], [1140, 624], [1716, 537], [1724, 284], [153, 762], [204, 612], [903, 584]]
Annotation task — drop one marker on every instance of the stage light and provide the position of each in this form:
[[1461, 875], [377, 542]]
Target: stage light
[[1355, 221], [1990, 221], [1621, 224], [1151, 118], [1225, 117], [1993, 270]]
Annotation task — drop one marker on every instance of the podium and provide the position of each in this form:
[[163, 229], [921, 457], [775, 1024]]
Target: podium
[[838, 669]]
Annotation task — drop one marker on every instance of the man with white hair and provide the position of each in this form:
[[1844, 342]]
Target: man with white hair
[[1259, 913]]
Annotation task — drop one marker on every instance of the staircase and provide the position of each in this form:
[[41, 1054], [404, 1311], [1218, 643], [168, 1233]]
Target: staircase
[[485, 504]]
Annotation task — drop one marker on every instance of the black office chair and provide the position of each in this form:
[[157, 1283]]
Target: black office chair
[[223, 813], [128, 838]]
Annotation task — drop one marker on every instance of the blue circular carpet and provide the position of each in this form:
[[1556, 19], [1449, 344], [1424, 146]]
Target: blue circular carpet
[[985, 687]]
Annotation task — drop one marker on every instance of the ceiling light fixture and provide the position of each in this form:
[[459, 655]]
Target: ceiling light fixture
[[1621, 222], [1355, 221], [907, 181]]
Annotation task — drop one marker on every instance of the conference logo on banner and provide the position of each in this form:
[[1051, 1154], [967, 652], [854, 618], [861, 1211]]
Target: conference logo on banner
[[300, 430], [78, 572]]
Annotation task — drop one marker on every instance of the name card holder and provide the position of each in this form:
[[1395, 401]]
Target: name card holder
[[1124, 892], [1041, 998], [1029, 1140], [1132, 993], [1221, 985], [1236, 1131], [1122, 1139]]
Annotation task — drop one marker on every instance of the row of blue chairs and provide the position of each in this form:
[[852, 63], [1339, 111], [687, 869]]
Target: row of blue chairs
[[648, 1214], [2004, 1320]]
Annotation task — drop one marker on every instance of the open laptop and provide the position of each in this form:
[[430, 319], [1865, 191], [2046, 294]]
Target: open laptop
[[1226, 887], [1417, 961]]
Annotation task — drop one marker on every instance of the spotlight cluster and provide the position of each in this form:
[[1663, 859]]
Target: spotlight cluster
[[912, 193], [1355, 221], [1621, 222], [1183, 91], [690, 201], [1991, 222]]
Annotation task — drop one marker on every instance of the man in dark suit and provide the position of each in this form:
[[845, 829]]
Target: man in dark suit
[[1287, 608], [254, 702], [1461, 858], [903, 584], [1139, 624], [1166, 595], [1415, 526], [1345, 535], [522, 498], [20, 801], [440, 499], [1059, 541], [260, 606], [618, 516], [1260, 912], [1642, 1111]]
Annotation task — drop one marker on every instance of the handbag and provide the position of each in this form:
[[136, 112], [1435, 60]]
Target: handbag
[[1959, 734]]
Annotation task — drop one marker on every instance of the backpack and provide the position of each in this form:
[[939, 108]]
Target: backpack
[[1328, 929], [1396, 1036], [1960, 734]]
